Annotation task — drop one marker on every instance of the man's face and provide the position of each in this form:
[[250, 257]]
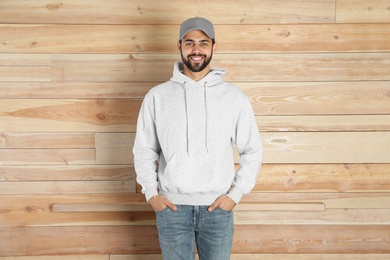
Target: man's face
[[196, 50]]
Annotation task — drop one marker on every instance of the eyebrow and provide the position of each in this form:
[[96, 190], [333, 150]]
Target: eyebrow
[[191, 40]]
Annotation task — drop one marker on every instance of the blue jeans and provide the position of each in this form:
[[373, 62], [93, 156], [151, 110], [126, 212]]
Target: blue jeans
[[179, 231]]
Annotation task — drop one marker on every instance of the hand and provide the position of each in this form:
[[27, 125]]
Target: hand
[[160, 202], [223, 202]]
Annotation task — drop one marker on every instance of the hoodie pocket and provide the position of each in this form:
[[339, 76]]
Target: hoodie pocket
[[191, 174]]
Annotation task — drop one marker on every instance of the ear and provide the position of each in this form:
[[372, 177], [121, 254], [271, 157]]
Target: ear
[[215, 46], [178, 45]]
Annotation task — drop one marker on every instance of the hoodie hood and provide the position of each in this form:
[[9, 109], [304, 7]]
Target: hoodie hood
[[214, 77]]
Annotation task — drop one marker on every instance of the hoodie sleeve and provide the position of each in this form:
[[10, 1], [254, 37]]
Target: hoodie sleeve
[[250, 149], [146, 148]]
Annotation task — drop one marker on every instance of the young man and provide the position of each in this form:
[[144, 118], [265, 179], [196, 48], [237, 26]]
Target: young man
[[183, 151]]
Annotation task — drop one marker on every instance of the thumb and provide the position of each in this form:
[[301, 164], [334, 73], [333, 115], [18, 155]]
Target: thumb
[[213, 206]]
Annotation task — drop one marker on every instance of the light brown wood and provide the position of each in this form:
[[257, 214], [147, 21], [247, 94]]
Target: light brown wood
[[248, 239], [360, 11], [47, 156], [56, 257], [66, 187], [143, 38], [306, 147], [72, 78], [67, 173], [49, 141], [68, 115], [323, 177], [24, 73], [324, 123], [268, 257], [278, 67], [174, 12], [113, 148]]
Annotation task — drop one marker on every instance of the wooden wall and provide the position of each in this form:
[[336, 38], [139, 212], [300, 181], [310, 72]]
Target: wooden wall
[[72, 77]]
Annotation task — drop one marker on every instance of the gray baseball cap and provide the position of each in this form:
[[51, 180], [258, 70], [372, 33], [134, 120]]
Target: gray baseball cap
[[197, 23]]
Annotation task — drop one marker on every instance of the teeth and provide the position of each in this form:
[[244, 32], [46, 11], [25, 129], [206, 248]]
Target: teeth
[[196, 58]]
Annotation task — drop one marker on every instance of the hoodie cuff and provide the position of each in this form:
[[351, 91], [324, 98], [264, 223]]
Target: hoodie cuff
[[150, 193], [235, 194]]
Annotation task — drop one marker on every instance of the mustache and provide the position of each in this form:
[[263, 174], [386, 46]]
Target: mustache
[[192, 55]]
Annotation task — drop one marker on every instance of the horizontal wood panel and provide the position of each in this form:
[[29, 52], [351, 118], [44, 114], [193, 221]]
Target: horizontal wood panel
[[272, 256], [287, 147], [52, 115], [57, 257], [46, 156], [174, 12], [279, 67], [309, 98], [67, 173], [84, 209], [66, 187], [113, 148], [325, 147], [80, 240], [324, 123], [360, 11], [323, 177], [25, 73], [42, 90], [49, 141], [247, 239], [143, 38]]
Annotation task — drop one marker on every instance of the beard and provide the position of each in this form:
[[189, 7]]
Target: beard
[[196, 67]]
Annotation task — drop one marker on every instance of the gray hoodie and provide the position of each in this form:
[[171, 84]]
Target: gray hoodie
[[184, 142]]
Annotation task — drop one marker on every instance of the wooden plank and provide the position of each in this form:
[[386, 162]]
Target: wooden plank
[[287, 147], [279, 67], [341, 208], [67, 173], [327, 217], [360, 11], [268, 98], [137, 206], [267, 257], [143, 38], [324, 123], [90, 240], [311, 239], [114, 148], [326, 147], [323, 177], [24, 73], [310, 98], [152, 12], [350, 200], [66, 115], [49, 141], [57, 257], [37, 210], [17, 90], [248, 239], [40, 60], [66, 187], [46, 156]]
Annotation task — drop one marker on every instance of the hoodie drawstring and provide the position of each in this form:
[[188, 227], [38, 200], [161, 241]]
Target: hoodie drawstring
[[206, 119], [186, 107]]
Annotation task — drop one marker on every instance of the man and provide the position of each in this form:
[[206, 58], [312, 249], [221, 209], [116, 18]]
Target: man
[[183, 151]]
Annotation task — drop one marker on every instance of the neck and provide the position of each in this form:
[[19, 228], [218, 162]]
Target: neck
[[196, 76]]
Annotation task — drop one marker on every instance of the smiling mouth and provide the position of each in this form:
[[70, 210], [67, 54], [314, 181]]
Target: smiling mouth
[[196, 58]]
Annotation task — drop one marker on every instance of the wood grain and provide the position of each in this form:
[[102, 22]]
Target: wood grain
[[248, 239], [359, 11], [143, 38], [174, 12]]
